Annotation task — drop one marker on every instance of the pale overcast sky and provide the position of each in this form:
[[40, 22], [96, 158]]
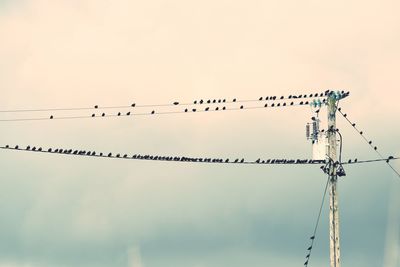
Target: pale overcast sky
[[59, 211]]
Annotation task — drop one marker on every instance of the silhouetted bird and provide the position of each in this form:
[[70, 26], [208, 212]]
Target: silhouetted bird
[[101, 154], [273, 105], [34, 148], [128, 113], [217, 108], [16, 147], [306, 263], [292, 103], [279, 104], [39, 149], [223, 108], [118, 155], [207, 108], [313, 237], [309, 248], [75, 152], [125, 156], [133, 105], [234, 100], [119, 114], [194, 110], [195, 102], [241, 107], [219, 100], [96, 106], [186, 110], [260, 99], [345, 115], [361, 132], [290, 96], [51, 117], [153, 112], [208, 101], [266, 105], [282, 97], [354, 125], [375, 148], [103, 114], [242, 161], [370, 142], [109, 154], [93, 115], [176, 103], [284, 104], [49, 150], [201, 101], [356, 160], [301, 103], [236, 160], [214, 101], [93, 153], [267, 98], [349, 161]]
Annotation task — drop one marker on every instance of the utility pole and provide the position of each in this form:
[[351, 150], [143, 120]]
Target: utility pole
[[333, 195]]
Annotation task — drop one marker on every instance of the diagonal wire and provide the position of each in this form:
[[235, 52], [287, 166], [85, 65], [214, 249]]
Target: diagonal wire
[[316, 224], [368, 142]]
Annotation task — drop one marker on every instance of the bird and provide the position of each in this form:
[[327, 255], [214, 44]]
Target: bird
[[313, 237], [223, 108], [241, 107], [345, 115], [194, 110], [266, 105], [370, 142], [349, 161], [375, 148], [361, 132], [309, 248], [284, 104], [119, 113], [75, 152], [109, 154], [306, 263], [279, 104], [51, 117], [201, 101], [301, 103], [223, 101], [290, 97], [125, 156], [49, 150], [219, 100], [176, 103], [340, 109], [236, 160], [356, 160], [39, 149], [354, 125], [186, 110], [103, 114], [93, 153], [101, 154], [93, 115], [217, 108], [128, 113], [282, 97], [260, 99], [16, 147], [152, 112], [242, 161], [33, 148], [234, 100], [292, 103], [207, 108], [208, 101], [96, 106], [195, 102], [273, 105], [133, 105], [118, 155]]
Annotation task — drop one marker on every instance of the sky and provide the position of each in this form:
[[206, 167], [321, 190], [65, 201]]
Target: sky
[[66, 211]]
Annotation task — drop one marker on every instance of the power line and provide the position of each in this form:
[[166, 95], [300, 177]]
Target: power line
[[154, 112], [85, 153], [369, 142], [175, 103], [312, 238]]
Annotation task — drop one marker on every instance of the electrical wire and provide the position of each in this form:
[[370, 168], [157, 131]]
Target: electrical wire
[[176, 103], [312, 238], [154, 112], [85, 153], [368, 142]]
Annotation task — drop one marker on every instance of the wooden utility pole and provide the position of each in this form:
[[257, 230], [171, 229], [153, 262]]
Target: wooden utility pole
[[333, 195]]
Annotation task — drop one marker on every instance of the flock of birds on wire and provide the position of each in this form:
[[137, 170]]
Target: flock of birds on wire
[[194, 106]]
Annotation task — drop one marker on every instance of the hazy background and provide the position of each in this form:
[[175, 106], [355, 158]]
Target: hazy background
[[64, 211]]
